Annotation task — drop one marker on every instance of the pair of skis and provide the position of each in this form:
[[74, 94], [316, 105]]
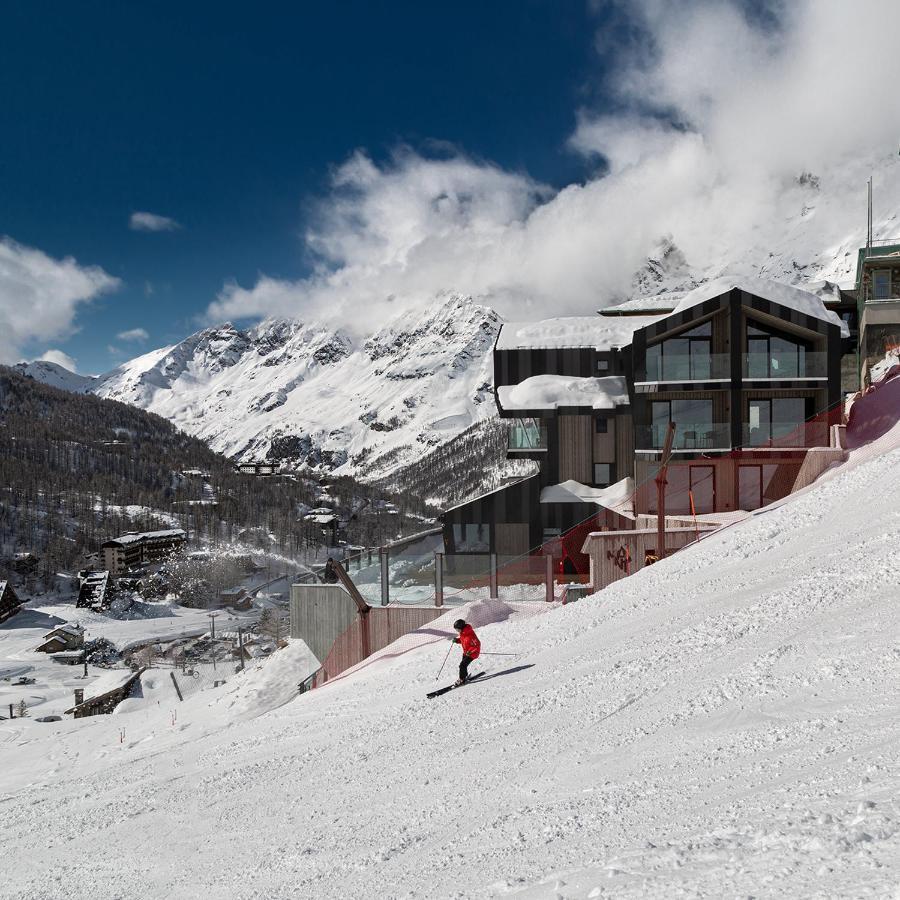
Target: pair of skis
[[445, 690]]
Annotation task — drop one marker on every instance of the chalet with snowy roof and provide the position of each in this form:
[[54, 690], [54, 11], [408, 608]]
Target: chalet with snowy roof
[[135, 548], [67, 637], [878, 299], [749, 372], [10, 604]]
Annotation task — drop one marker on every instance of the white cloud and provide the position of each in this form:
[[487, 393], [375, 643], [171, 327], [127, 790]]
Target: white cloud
[[60, 358], [147, 221], [720, 115], [39, 296], [133, 334]]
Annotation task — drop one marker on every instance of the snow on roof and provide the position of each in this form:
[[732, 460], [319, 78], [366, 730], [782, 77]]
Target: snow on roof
[[617, 497], [132, 537], [573, 331], [774, 291], [553, 391], [658, 303], [67, 627], [2, 587]]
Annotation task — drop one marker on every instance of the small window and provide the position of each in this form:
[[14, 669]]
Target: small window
[[601, 425], [602, 365], [602, 474], [882, 279]]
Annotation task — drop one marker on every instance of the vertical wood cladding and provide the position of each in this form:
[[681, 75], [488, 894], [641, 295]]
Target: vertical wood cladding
[[605, 444], [624, 446], [512, 539], [575, 448]]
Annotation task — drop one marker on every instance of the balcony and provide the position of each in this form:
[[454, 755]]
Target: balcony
[[786, 435], [676, 368], [526, 436], [785, 366], [688, 437]]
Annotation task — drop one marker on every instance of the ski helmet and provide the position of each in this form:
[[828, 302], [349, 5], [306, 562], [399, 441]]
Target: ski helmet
[[459, 624]]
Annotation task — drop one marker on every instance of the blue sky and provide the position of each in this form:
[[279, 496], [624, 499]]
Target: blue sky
[[228, 118], [350, 161]]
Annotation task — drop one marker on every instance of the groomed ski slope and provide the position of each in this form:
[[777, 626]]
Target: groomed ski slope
[[723, 724]]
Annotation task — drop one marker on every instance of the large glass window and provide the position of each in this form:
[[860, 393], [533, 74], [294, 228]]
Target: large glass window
[[779, 421], [693, 417], [772, 355], [472, 538], [685, 357], [882, 283]]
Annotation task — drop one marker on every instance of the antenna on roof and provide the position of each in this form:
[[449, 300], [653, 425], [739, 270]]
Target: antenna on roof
[[869, 220]]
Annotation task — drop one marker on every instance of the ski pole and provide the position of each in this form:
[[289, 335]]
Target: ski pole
[[486, 653], [444, 663]]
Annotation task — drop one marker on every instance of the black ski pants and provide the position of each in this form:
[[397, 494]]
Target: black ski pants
[[464, 667]]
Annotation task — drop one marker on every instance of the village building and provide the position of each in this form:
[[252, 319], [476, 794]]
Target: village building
[[134, 548], [748, 371], [106, 693], [66, 637], [257, 468], [10, 603], [94, 591], [878, 299]]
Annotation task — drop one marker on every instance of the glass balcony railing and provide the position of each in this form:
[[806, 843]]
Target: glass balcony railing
[[696, 436], [785, 434], [775, 366], [526, 436], [688, 367]]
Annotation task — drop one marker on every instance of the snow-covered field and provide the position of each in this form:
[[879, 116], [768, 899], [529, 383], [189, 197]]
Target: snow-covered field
[[725, 723]]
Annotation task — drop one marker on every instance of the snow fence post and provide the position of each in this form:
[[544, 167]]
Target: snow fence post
[[494, 591], [384, 554], [438, 578], [548, 577]]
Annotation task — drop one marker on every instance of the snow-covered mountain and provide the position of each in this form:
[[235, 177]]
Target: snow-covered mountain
[[57, 376], [313, 396]]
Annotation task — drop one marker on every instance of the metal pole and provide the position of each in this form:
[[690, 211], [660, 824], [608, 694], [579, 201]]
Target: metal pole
[[241, 645], [444, 663], [384, 553], [548, 577], [494, 589], [438, 579]]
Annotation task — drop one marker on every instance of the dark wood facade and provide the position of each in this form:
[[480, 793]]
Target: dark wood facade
[[744, 454]]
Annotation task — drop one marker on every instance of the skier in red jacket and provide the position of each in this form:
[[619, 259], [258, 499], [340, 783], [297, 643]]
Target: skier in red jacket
[[471, 647]]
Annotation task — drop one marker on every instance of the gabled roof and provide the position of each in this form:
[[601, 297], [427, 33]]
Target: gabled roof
[[775, 292], [72, 628]]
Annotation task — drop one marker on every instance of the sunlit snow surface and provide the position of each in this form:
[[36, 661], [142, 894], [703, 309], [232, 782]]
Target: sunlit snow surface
[[722, 724]]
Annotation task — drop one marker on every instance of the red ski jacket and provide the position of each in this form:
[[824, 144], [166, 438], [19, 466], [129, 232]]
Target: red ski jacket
[[469, 642]]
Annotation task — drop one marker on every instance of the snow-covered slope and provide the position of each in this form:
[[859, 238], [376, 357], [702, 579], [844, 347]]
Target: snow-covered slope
[[722, 724], [56, 376], [310, 395]]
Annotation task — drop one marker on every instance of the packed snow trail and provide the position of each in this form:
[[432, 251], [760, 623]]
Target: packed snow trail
[[724, 723]]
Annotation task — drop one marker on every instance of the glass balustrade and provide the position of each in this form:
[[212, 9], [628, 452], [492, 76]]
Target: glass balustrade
[[688, 436], [525, 435], [789, 364]]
